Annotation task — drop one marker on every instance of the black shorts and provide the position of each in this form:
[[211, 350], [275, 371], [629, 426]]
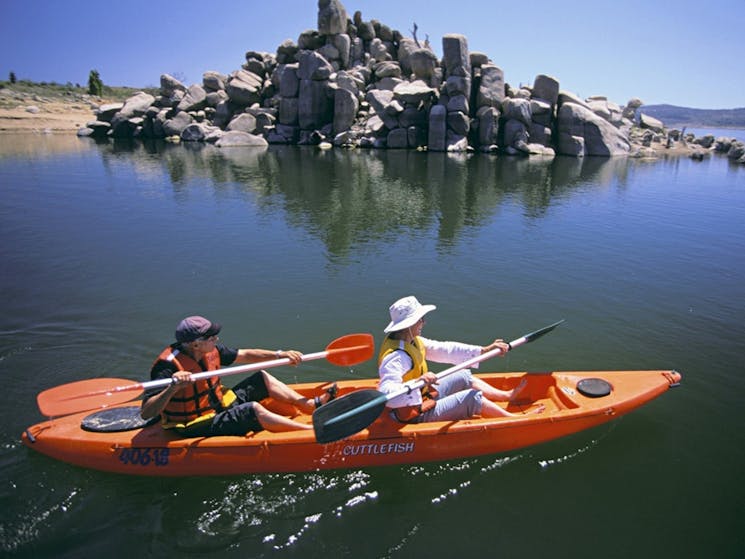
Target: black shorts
[[240, 417]]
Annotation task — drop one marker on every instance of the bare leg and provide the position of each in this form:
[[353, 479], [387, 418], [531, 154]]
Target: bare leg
[[490, 409], [277, 423], [283, 393], [495, 394]]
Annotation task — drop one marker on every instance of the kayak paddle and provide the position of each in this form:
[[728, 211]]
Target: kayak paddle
[[104, 392], [353, 412]]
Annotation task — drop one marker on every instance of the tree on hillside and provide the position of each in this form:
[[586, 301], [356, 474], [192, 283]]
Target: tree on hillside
[[12, 77], [95, 85]]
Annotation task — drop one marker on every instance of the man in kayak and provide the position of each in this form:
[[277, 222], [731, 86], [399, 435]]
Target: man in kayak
[[457, 396], [205, 407]]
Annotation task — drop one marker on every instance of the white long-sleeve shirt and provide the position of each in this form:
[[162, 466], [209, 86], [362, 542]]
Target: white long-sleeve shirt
[[397, 363]]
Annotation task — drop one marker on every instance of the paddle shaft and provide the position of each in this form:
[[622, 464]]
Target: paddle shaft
[[238, 369], [101, 392], [418, 384]]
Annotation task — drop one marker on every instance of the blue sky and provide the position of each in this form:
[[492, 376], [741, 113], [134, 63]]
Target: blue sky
[[687, 54]]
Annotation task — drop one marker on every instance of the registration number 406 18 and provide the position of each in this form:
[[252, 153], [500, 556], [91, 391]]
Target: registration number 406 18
[[144, 456]]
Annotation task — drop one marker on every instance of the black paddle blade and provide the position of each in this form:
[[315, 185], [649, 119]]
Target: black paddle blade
[[347, 415], [538, 333]]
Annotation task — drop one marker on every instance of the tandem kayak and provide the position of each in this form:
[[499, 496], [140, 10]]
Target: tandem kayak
[[115, 440]]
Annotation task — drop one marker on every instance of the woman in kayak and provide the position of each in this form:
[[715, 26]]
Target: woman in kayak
[[205, 407], [457, 396]]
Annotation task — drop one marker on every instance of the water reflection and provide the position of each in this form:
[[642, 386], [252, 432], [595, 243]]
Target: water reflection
[[348, 198], [38, 146]]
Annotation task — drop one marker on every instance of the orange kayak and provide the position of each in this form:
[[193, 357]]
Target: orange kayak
[[573, 401]]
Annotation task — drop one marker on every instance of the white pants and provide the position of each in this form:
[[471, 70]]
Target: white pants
[[455, 399]]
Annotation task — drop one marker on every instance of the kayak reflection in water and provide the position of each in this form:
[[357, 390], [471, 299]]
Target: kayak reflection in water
[[204, 408], [459, 395]]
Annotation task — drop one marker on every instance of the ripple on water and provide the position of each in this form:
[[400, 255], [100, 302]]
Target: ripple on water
[[280, 509]]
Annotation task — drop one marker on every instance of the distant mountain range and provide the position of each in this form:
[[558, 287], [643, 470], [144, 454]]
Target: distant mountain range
[[677, 117]]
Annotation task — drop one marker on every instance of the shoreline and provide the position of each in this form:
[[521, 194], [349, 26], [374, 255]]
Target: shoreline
[[49, 117], [56, 117]]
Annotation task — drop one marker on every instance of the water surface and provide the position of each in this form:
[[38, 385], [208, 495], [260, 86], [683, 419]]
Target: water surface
[[105, 247]]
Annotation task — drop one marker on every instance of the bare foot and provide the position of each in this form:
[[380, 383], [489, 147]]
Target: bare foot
[[540, 408]]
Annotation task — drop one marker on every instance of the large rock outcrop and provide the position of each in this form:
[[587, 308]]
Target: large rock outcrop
[[583, 132], [359, 83]]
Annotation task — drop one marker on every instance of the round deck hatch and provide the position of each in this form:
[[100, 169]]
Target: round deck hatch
[[115, 419], [594, 387]]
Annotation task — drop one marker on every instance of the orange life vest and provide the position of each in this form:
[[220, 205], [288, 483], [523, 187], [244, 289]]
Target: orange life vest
[[200, 400]]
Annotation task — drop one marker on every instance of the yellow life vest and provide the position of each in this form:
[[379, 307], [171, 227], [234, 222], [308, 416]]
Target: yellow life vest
[[415, 350], [202, 399]]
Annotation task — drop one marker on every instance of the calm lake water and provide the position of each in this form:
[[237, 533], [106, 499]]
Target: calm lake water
[[105, 247]]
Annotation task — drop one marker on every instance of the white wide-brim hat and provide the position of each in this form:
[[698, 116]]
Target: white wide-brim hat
[[406, 312]]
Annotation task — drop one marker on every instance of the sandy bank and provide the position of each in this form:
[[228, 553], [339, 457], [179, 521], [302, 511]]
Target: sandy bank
[[51, 117]]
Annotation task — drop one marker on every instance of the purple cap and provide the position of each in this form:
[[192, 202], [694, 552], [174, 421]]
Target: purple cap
[[195, 327]]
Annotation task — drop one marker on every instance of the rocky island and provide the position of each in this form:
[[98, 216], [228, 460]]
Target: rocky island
[[357, 83]]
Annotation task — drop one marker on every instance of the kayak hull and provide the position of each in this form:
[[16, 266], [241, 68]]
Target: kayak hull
[[152, 451]]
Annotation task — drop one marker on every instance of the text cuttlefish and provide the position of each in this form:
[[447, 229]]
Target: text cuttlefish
[[377, 448]]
